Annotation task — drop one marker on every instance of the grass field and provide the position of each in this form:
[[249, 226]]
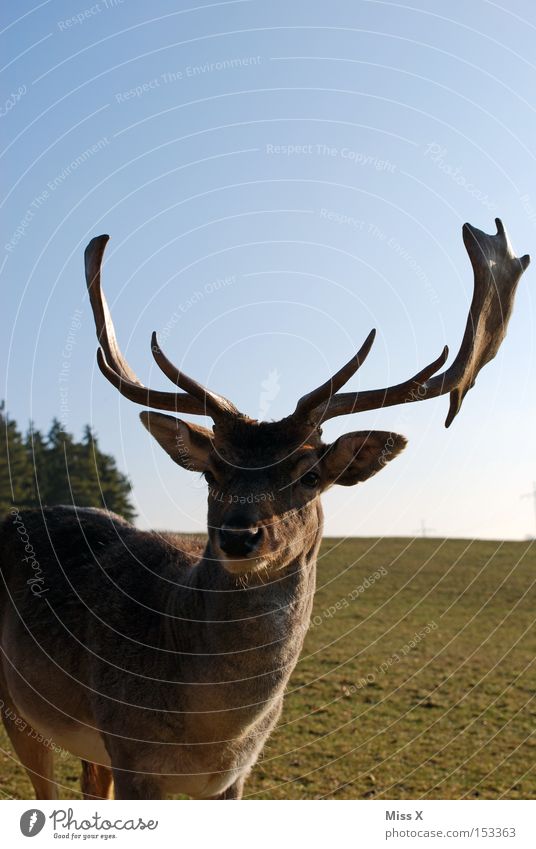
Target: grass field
[[421, 684]]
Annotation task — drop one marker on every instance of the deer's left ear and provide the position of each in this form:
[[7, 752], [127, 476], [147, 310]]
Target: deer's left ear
[[357, 456]]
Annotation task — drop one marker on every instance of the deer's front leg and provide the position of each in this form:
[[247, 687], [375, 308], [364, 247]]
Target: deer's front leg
[[235, 791], [136, 785]]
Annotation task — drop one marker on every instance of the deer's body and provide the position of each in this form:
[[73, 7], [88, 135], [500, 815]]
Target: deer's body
[[145, 653], [167, 667]]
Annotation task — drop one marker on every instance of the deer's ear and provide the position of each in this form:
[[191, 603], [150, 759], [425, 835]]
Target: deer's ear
[[187, 444], [357, 456]]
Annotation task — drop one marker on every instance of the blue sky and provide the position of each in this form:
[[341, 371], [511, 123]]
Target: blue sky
[[277, 179]]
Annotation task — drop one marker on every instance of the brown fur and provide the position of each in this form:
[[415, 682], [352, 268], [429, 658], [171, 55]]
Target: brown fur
[[160, 661]]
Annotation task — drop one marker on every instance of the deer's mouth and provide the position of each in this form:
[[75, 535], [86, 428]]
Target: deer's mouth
[[244, 565], [243, 548]]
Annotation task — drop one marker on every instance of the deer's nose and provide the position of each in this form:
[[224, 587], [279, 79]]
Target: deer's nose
[[239, 540]]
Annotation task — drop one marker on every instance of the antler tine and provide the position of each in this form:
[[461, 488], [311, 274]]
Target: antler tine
[[174, 402], [497, 272], [110, 359], [327, 390], [217, 403], [413, 389], [103, 320]]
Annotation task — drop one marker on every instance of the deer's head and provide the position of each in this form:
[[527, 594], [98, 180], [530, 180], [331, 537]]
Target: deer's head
[[265, 478]]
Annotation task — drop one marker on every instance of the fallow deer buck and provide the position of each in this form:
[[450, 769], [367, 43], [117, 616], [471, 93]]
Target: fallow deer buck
[[163, 666]]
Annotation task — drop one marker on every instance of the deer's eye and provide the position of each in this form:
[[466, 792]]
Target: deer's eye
[[310, 479]]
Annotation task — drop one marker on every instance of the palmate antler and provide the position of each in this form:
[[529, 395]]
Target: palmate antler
[[497, 272]]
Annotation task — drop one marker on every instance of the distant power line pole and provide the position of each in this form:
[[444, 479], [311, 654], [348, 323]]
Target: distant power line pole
[[424, 529], [533, 496]]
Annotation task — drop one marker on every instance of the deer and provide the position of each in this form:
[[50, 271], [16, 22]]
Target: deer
[[162, 662]]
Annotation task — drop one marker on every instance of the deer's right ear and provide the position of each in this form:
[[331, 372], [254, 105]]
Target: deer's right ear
[[189, 445]]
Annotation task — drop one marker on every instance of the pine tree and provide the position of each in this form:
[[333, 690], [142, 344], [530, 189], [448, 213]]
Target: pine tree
[[108, 487], [37, 471], [115, 488], [15, 468], [60, 457], [36, 447], [84, 471]]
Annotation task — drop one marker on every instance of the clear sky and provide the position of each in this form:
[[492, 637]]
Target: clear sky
[[277, 179]]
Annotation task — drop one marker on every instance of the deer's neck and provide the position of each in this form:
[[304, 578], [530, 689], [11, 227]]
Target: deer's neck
[[260, 622], [235, 646], [275, 604]]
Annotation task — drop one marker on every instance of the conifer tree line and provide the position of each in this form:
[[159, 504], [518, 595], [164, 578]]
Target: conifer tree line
[[43, 470]]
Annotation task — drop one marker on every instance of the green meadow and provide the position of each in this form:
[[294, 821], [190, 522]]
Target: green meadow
[[417, 679]]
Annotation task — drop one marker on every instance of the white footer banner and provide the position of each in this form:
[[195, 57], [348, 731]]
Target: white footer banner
[[363, 824]]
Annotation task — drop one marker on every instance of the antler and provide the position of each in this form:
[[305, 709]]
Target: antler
[[496, 274], [314, 399], [196, 399]]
